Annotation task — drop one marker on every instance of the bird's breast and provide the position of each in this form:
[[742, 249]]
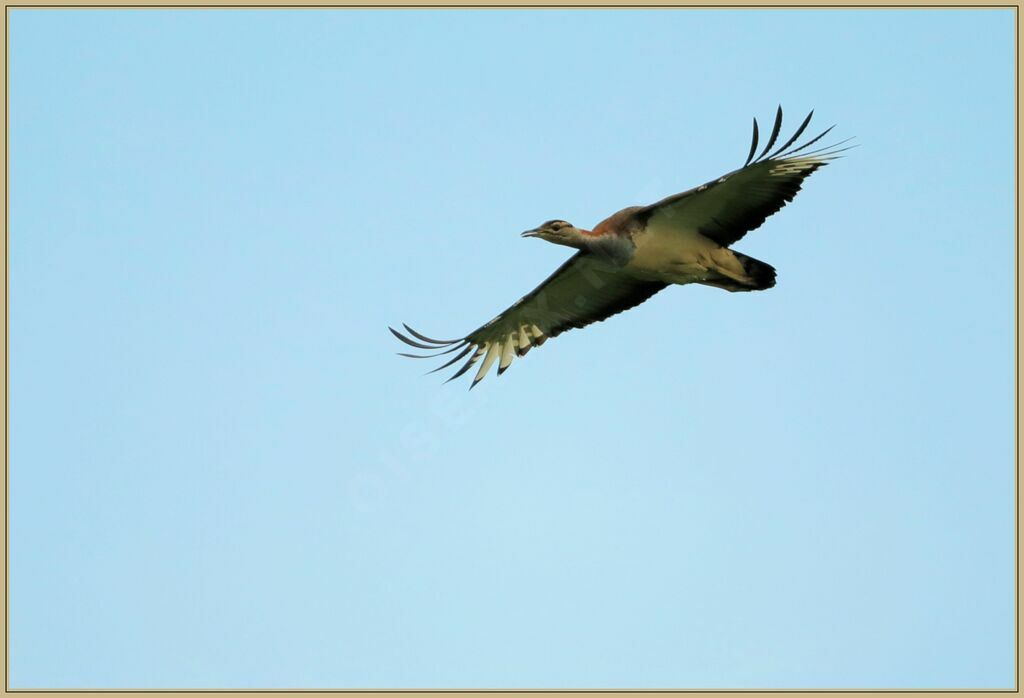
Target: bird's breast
[[613, 248]]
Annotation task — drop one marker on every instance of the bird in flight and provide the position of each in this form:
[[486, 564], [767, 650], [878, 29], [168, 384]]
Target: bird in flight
[[631, 255]]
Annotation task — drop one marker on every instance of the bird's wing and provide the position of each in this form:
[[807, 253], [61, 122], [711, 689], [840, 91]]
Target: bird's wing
[[585, 289], [729, 207]]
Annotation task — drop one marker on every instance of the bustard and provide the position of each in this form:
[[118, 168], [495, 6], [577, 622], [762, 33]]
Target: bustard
[[633, 254]]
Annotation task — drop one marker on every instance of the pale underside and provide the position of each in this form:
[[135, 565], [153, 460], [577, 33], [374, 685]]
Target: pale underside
[[680, 256]]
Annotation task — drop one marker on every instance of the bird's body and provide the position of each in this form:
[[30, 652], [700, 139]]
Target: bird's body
[[682, 256], [640, 250]]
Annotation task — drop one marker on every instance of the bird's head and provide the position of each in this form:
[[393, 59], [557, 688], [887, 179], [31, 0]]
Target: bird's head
[[557, 231]]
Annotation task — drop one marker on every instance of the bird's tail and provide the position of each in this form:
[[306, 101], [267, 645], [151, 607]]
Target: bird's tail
[[761, 274], [757, 275]]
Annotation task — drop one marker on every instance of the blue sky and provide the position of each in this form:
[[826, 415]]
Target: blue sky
[[222, 476]]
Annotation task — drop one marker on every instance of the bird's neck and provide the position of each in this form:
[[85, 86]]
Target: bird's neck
[[580, 239]]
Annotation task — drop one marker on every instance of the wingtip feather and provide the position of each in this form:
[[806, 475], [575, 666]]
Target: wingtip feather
[[402, 338], [792, 139], [753, 145], [776, 127], [424, 338]]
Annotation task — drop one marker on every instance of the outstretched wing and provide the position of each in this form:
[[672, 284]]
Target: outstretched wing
[[585, 289], [729, 207]]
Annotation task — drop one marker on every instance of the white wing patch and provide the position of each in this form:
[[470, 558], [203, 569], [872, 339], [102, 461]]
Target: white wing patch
[[788, 168]]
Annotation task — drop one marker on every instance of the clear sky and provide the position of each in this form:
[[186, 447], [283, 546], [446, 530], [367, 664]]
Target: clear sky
[[222, 476]]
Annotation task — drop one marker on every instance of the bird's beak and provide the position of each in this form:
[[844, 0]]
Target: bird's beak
[[529, 233]]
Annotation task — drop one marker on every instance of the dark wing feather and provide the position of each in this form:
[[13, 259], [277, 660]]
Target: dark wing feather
[[729, 207], [584, 290]]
